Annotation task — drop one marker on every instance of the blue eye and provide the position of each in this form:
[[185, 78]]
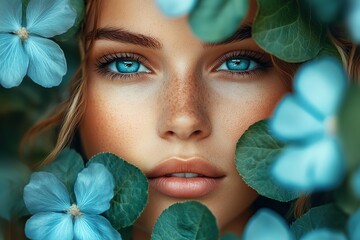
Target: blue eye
[[127, 66], [238, 65]]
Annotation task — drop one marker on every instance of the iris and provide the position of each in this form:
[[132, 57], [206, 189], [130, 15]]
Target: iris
[[238, 65], [55, 217], [25, 50], [306, 121], [127, 66]]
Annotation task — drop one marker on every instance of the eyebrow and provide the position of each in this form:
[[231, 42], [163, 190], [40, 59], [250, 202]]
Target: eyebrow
[[125, 36], [122, 35]]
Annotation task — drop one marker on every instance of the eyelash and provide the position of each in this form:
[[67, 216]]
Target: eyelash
[[102, 64]]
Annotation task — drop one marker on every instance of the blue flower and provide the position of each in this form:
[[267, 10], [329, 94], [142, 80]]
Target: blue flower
[[176, 8], [54, 217], [267, 225], [306, 119], [26, 49], [353, 20]]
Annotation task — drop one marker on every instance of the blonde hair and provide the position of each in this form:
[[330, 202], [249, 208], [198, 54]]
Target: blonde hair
[[69, 114]]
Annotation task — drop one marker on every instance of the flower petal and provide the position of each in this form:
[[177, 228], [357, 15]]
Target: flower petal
[[94, 188], [324, 234], [353, 20], [176, 8], [11, 15], [353, 225], [45, 193], [321, 84], [292, 121], [48, 18], [317, 165], [47, 61], [93, 227], [50, 226], [355, 182], [266, 224], [13, 61]]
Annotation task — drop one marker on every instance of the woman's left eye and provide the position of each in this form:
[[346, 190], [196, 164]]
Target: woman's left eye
[[238, 65], [127, 66]]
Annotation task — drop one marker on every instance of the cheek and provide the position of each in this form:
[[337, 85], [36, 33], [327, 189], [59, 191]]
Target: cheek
[[240, 106], [112, 122]]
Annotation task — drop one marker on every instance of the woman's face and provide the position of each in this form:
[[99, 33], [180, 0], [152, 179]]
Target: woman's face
[[168, 103]]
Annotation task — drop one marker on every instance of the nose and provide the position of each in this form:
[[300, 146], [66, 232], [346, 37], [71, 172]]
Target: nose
[[184, 107]]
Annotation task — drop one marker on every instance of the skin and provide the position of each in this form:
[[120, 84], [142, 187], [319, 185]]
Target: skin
[[183, 107]]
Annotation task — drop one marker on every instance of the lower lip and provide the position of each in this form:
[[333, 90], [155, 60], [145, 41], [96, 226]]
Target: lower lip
[[184, 187]]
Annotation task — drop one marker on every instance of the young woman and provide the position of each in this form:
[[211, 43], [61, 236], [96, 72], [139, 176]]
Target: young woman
[[163, 100]]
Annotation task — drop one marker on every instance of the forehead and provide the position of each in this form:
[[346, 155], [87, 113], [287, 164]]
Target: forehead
[[146, 18]]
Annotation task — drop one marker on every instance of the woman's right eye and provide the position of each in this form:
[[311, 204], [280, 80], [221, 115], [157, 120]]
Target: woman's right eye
[[127, 66]]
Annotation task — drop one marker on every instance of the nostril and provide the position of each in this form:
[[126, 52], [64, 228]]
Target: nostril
[[197, 132]]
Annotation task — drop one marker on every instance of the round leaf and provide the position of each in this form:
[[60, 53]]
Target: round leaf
[[66, 167], [186, 221], [285, 29], [255, 152], [325, 216], [131, 190], [214, 21]]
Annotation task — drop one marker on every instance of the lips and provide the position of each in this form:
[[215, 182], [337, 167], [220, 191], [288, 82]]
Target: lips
[[185, 178]]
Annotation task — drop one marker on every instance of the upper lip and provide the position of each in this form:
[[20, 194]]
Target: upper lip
[[190, 165]]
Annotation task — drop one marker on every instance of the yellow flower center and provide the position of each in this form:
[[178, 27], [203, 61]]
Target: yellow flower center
[[74, 211], [331, 125], [23, 34]]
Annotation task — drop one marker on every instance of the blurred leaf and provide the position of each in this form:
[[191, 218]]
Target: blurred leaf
[[185, 221], [327, 10], [353, 225], [214, 21], [286, 29], [230, 236], [131, 190], [66, 167], [13, 178], [345, 197], [325, 216], [348, 126], [255, 152]]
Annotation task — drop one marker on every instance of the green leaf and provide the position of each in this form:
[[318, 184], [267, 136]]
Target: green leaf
[[230, 236], [325, 216], [131, 190], [345, 197], [186, 221], [255, 152], [214, 21], [348, 126], [13, 178], [286, 29], [327, 10], [79, 7], [66, 167]]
